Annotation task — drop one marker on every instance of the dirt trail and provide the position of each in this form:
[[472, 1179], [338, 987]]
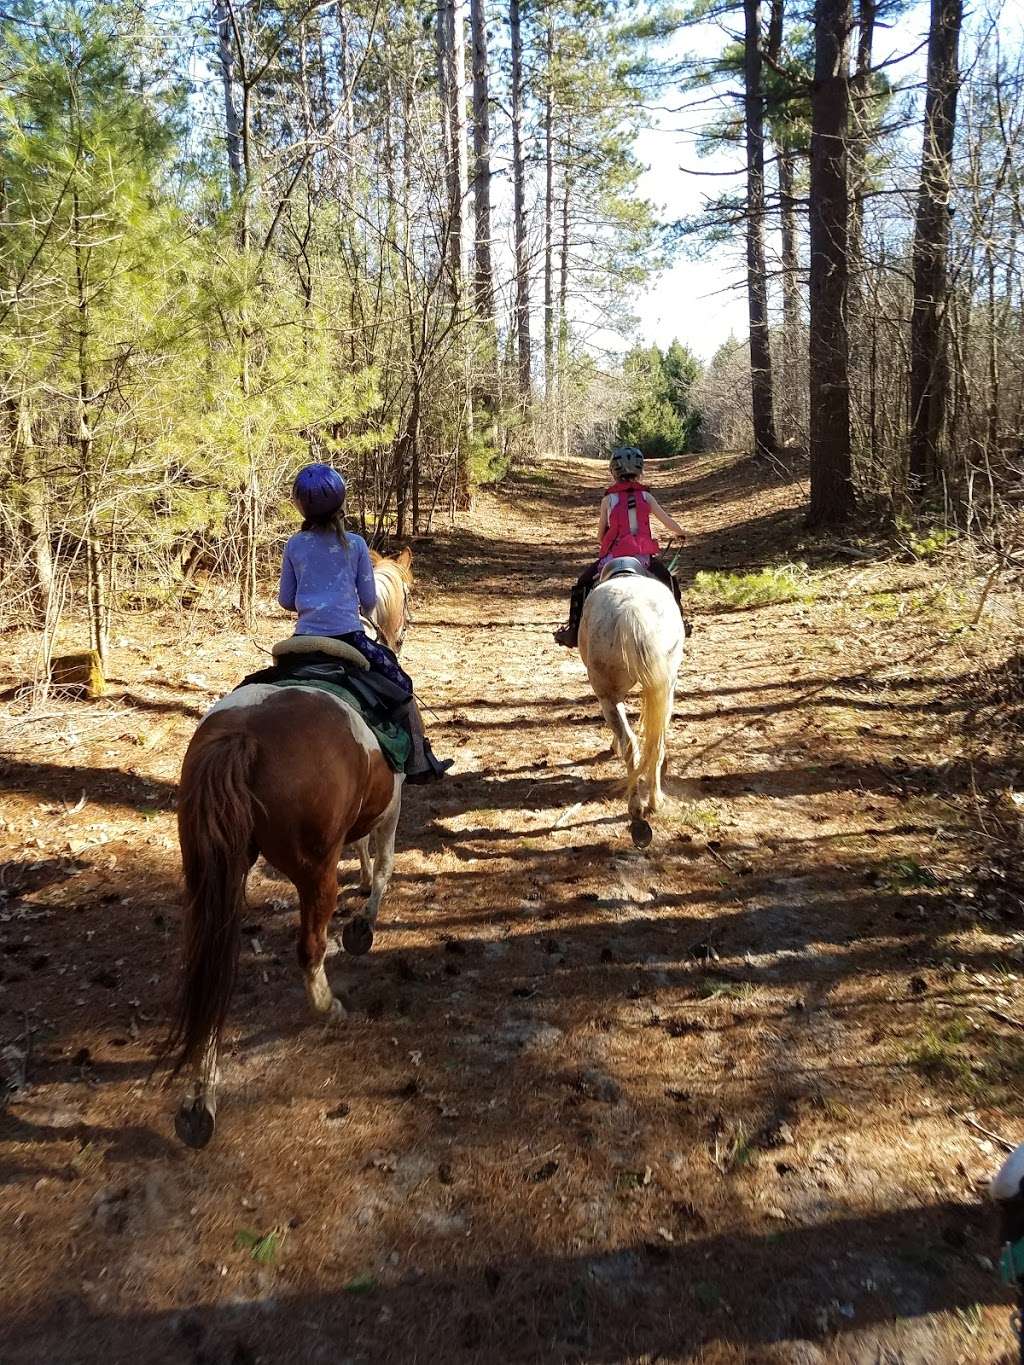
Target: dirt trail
[[590, 1104]]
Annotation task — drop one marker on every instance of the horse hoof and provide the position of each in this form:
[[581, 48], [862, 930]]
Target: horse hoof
[[194, 1123], [357, 936], [640, 832]]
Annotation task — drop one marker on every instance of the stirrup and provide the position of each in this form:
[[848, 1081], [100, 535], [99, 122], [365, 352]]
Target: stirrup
[[434, 771], [567, 635]]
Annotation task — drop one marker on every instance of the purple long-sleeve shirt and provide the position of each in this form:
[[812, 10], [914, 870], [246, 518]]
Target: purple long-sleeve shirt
[[326, 582]]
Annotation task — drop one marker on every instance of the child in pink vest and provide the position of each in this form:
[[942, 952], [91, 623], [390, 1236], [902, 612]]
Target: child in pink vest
[[626, 511]]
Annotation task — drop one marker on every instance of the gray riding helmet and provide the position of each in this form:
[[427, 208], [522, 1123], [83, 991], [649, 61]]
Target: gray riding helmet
[[627, 462]]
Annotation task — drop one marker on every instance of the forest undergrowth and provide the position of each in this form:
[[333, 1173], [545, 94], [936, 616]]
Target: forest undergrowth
[[733, 1098]]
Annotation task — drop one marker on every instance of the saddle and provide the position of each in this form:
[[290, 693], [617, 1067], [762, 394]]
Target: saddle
[[624, 566], [319, 644], [334, 666]]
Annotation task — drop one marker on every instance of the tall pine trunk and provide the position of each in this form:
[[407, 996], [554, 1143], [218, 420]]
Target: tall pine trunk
[[549, 217], [459, 231], [483, 265], [95, 562], [832, 491], [483, 272], [765, 442], [226, 58], [563, 299], [34, 516], [929, 367], [790, 386], [522, 253], [862, 119]]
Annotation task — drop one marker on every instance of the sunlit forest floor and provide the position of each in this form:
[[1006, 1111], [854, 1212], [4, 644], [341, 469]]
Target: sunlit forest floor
[[734, 1098]]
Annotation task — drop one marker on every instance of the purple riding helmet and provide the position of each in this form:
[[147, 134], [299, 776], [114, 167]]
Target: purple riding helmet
[[318, 490]]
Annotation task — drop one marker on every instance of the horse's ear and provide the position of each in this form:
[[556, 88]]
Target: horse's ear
[[405, 558]]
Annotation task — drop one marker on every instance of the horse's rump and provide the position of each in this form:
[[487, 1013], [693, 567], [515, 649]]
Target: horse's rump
[[290, 774], [631, 634], [318, 767]]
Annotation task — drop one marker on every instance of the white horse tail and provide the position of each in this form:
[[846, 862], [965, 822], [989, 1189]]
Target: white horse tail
[[650, 665]]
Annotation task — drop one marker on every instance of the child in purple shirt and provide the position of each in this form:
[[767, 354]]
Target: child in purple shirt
[[326, 576], [326, 581]]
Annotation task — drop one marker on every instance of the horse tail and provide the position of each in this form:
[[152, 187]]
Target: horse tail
[[216, 809], [649, 664]]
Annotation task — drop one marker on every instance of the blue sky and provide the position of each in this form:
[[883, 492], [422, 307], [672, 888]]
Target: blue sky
[[702, 301]]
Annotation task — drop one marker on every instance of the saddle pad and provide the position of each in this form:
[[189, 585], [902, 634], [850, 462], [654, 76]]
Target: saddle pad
[[394, 742], [319, 644]]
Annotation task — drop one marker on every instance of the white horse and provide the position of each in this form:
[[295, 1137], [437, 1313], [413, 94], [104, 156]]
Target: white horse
[[631, 634]]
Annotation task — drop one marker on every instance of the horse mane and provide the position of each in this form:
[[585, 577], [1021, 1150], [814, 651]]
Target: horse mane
[[394, 578]]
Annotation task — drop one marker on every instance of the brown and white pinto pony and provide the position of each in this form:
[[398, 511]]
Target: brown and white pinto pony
[[293, 774], [393, 578]]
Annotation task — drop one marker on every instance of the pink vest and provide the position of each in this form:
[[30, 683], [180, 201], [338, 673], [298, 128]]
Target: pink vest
[[629, 523]]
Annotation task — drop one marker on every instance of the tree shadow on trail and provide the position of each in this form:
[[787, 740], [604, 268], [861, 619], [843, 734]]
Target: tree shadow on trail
[[108, 787], [755, 1291]]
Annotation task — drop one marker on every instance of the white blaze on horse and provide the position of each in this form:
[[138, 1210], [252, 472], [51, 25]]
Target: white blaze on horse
[[631, 635], [293, 774]]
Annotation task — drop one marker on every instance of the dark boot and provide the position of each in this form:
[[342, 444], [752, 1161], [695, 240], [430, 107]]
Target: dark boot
[[423, 765], [569, 634]]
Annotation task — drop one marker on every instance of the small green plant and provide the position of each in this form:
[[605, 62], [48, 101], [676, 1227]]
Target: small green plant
[[1003, 1068], [883, 606], [487, 463], [906, 874], [700, 815], [262, 1247], [362, 1284], [939, 606], [766, 587], [936, 1057], [716, 988], [928, 543], [733, 1150]]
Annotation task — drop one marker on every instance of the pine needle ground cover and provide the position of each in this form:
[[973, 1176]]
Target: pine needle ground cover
[[728, 1100]]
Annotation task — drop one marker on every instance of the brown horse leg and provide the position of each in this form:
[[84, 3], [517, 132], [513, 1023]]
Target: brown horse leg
[[195, 1119], [366, 854], [357, 936], [317, 900]]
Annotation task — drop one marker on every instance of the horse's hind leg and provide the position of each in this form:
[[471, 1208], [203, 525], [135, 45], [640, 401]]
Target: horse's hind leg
[[623, 738], [657, 794], [365, 851], [357, 936], [195, 1119], [317, 900], [384, 854]]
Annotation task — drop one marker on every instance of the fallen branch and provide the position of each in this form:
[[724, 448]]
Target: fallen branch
[[1003, 1018], [989, 584], [994, 1137]]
